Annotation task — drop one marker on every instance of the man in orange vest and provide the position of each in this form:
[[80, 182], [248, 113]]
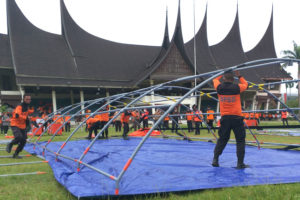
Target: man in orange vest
[[18, 124], [104, 120], [144, 118], [198, 117], [284, 118], [68, 124], [231, 116], [210, 118], [125, 119], [92, 125], [166, 122], [189, 120]]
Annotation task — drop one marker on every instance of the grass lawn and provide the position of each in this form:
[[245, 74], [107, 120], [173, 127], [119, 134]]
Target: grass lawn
[[44, 186]]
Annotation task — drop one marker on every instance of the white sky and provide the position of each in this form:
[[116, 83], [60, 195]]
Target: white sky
[[143, 21]]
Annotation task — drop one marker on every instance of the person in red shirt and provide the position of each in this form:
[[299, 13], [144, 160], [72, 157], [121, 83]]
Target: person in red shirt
[[231, 116], [18, 124]]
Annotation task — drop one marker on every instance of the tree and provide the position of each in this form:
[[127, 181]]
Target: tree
[[294, 54]]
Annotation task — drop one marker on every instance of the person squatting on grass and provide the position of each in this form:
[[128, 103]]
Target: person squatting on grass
[[231, 116], [18, 123]]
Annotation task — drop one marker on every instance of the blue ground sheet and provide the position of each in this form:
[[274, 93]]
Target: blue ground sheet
[[165, 165]]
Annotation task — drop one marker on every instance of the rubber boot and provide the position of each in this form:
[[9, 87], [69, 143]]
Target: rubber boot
[[215, 162], [9, 147], [16, 156]]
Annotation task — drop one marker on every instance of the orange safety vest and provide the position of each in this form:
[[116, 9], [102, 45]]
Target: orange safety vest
[[189, 116], [125, 118], [210, 116], [230, 102], [283, 115], [198, 117], [167, 118], [67, 118], [104, 117], [91, 121], [20, 121]]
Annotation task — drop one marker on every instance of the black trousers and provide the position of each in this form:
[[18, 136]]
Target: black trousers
[[228, 123], [210, 124], [145, 123], [68, 127], [5, 129], [118, 126], [285, 120], [190, 125], [166, 124], [103, 123], [175, 124], [125, 129], [20, 138], [197, 128]]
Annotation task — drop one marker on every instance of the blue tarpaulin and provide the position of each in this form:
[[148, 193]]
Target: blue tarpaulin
[[165, 165]]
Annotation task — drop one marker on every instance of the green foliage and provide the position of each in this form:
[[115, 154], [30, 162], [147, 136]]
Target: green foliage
[[3, 108]]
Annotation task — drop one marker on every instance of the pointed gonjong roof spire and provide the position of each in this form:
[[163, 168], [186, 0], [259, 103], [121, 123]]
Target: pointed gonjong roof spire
[[266, 49], [39, 57]]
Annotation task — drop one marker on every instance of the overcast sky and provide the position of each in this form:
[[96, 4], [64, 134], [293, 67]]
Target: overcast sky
[[143, 21]]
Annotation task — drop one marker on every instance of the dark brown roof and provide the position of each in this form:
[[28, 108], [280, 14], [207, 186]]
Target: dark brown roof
[[265, 49], [39, 57], [176, 44], [109, 63], [5, 52]]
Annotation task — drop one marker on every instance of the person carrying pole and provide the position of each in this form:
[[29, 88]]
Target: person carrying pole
[[18, 124], [231, 116]]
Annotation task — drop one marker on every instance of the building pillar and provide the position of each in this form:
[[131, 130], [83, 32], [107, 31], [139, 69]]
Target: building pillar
[[199, 102], [22, 91], [278, 105], [81, 101], [267, 104], [254, 102], [72, 97], [107, 93], [152, 96], [54, 100]]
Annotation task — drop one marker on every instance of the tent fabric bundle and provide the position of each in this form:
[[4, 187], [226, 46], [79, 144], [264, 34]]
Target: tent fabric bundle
[[165, 165]]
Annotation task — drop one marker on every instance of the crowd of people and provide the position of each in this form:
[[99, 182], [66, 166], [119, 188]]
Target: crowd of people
[[23, 116]]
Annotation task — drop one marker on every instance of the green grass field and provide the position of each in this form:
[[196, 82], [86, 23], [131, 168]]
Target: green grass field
[[44, 186]]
